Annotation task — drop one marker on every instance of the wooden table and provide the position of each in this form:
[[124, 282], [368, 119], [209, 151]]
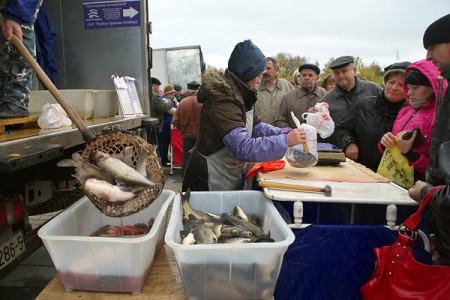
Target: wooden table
[[163, 283], [350, 183]]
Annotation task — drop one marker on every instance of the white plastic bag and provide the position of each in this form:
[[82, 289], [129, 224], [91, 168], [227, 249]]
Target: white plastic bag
[[321, 120], [304, 155], [53, 116]]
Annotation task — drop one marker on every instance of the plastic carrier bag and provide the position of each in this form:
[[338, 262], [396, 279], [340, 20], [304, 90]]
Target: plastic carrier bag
[[53, 116], [304, 155], [320, 120], [395, 166]]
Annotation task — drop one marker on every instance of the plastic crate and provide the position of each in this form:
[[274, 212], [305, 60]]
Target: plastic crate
[[82, 101], [104, 263], [230, 271]]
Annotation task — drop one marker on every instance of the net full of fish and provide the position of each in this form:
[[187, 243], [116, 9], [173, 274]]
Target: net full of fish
[[111, 178], [201, 227]]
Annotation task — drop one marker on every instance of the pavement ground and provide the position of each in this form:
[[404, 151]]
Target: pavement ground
[[32, 275]]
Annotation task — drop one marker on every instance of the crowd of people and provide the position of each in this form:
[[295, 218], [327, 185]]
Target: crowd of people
[[244, 114]]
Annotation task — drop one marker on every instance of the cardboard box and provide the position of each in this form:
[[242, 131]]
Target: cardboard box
[[104, 263], [230, 271]]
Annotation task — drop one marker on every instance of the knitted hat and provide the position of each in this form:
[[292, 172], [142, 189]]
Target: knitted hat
[[438, 32], [246, 61], [177, 87], [416, 77]]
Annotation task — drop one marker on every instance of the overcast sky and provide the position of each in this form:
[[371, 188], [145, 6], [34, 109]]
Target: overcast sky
[[318, 29]]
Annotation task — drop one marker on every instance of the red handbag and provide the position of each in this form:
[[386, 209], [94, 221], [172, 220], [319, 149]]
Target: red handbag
[[398, 275]]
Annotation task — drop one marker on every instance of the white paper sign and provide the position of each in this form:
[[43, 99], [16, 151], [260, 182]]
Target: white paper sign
[[125, 102], [134, 95]]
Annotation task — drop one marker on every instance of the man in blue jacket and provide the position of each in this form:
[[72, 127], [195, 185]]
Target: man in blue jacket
[[15, 73]]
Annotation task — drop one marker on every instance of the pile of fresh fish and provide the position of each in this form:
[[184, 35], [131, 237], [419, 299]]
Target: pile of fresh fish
[[136, 230], [110, 179], [205, 228]]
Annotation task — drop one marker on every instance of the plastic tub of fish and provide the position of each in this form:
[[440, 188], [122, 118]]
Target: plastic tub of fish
[[234, 270], [108, 264]]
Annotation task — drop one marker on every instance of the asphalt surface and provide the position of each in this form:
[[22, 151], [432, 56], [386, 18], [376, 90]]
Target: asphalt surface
[[33, 274]]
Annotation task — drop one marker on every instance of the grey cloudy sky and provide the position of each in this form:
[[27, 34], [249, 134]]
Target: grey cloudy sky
[[374, 30]]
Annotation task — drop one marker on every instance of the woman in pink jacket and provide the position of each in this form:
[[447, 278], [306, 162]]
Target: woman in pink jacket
[[422, 85]]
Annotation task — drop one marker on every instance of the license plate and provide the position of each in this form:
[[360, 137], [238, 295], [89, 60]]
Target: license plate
[[11, 249]]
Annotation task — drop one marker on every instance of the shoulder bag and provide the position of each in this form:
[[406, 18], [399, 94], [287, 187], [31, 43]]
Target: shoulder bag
[[398, 275]]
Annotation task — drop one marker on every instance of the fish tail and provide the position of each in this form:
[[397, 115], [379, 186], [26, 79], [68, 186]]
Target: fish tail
[[66, 163]]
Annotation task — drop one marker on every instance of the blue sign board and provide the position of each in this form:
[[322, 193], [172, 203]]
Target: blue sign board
[[110, 14]]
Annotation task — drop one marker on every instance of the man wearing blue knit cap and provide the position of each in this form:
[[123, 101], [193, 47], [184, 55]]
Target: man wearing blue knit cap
[[230, 133]]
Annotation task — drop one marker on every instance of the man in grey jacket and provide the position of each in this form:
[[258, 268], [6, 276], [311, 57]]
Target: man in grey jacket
[[348, 89], [300, 100], [270, 91]]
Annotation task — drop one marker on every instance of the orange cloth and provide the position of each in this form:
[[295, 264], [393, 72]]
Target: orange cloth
[[266, 166]]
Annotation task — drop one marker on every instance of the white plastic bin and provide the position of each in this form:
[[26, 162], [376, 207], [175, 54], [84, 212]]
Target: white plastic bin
[[104, 263], [230, 271], [105, 103], [82, 101]]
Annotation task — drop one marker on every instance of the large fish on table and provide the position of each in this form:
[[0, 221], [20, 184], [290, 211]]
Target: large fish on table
[[84, 170], [121, 171], [108, 192]]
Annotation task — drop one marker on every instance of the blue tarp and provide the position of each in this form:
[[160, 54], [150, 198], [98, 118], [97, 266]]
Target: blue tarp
[[333, 261]]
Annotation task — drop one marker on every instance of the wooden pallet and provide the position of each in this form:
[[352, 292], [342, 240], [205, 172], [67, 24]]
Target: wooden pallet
[[28, 122]]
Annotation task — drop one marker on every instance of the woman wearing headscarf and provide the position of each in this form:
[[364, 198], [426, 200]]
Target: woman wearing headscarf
[[230, 134]]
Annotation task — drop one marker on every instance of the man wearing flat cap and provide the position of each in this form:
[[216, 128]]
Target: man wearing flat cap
[[178, 93], [301, 99], [187, 119], [348, 89], [192, 88], [159, 107], [437, 42]]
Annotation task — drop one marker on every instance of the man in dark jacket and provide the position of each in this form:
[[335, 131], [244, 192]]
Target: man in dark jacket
[[362, 128], [348, 89], [15, 72], [437, 42]]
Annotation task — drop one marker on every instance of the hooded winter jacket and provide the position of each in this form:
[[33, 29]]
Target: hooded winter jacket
[[423, 117], [226, 101]]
